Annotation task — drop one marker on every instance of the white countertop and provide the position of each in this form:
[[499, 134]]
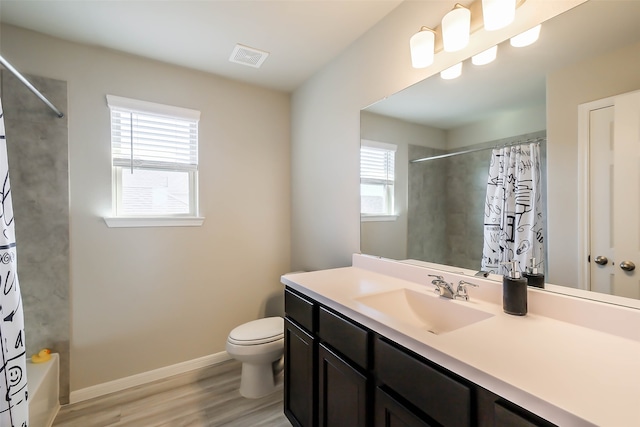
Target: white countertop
[[568, 374]]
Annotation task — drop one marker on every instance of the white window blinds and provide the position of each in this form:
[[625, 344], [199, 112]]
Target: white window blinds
[[377, 176], [377, 163], [146, 135]]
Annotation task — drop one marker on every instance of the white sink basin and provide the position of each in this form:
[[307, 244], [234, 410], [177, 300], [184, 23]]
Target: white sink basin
[[425, 311]]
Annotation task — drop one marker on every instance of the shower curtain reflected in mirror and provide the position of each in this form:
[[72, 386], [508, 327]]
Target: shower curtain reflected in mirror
[[14, 410], [513, 220], [447, 200]]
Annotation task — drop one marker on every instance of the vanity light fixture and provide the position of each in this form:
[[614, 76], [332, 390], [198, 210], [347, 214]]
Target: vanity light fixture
[[485, 57], [452, 72], [422, 46], [498, 14], [527, 38], [456, 26]]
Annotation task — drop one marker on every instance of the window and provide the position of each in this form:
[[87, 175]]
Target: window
[[154, 151], [377, 176]]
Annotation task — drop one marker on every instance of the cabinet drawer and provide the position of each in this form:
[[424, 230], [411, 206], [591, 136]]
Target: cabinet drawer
[[349, 339], [507, 416], [441, 397], [299, 309]]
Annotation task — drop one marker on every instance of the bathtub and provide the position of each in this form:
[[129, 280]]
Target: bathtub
[[43, 381]]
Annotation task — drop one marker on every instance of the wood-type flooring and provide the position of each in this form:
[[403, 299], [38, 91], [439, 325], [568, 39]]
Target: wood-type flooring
[[203, 398]]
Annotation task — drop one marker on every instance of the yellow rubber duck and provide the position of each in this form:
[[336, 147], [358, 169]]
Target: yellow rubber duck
[[42, 356]]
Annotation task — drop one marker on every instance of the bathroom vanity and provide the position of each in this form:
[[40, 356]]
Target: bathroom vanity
[[372, 345]]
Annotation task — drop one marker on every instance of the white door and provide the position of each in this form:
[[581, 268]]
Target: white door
[[614, 195]]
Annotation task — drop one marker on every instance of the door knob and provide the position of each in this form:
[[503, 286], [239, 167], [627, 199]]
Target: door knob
[[602, 260], [627, 266]]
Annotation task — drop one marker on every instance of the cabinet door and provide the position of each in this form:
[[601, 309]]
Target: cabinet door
[[343, 392], [299, 375], [391, 413]]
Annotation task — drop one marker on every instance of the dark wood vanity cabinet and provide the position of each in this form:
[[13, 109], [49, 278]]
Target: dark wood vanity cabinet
[[425, 394], [443, 400], [389, 412], [299, 368], [506, 414], [343, 378], [326, 380], [343, 397], [300, 356], [339, 373]]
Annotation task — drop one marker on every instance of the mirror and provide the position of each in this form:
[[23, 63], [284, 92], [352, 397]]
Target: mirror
[[587, 53]]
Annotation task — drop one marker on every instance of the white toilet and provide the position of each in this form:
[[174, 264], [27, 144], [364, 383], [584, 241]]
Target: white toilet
[[259, 345]]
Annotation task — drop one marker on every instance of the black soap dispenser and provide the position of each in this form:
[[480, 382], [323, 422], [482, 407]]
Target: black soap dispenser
[[533, 275], [514, 291]]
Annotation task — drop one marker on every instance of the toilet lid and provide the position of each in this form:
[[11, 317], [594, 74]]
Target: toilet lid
[[259, 331]]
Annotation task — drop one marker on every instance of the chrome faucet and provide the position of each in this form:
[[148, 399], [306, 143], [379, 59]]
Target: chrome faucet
[[461, 292], [443, 288]]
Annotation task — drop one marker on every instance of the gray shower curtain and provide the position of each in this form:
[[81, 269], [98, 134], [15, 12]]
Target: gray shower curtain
[[513, 223], [14, 409]]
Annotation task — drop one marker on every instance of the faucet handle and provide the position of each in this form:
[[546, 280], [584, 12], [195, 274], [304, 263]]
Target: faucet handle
[[438, 282], [461, 292]]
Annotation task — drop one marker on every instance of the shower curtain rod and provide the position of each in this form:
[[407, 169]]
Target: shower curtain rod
[[457, 153], [30, 86]]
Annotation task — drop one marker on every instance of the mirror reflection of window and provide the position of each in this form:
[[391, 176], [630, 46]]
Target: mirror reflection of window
[[377, 178]]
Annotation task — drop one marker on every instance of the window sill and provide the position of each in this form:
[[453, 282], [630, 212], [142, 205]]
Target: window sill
[[118, 222], [372, 218]]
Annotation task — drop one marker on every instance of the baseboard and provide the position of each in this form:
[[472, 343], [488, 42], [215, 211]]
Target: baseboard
[[147, 377]]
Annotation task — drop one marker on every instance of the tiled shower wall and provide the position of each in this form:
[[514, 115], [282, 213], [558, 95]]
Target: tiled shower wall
[[427, 207], [38, 168], [446, 203]]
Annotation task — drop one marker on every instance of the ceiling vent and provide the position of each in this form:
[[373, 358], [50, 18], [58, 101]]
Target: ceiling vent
[[248, 56]]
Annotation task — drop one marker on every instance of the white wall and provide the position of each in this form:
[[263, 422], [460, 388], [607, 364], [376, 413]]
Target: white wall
[[503, 125], [145, 298], [601, 77], [389, 238], [325, 122]]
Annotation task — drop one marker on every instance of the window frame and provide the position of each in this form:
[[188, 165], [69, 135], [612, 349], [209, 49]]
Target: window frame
[[390, 214], [118, 219]]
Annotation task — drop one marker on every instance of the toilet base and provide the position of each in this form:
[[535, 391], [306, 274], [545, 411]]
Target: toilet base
[[257, 380]]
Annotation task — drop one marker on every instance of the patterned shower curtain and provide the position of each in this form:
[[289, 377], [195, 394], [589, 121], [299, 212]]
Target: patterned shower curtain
[[513, 209], [14, 410]]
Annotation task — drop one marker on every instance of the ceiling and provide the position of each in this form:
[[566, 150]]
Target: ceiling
[[301, 36]]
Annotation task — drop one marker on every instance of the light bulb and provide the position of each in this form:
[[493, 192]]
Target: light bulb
[[498, 13], [485, 57], [422, 46], [452, 72], [527, 38], [456, 26]]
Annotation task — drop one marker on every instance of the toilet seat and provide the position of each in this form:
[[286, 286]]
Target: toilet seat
[[256, 332]]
